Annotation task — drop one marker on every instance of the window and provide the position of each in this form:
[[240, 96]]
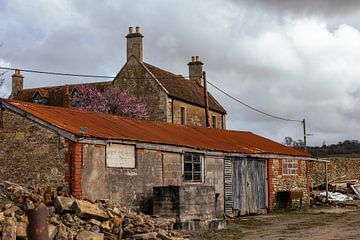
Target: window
[[192, 167], [182, 115], [120, 155], [37, 98], [290, 167], [213, 123]]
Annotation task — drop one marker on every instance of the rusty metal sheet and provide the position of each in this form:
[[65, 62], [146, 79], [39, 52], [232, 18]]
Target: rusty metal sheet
[[106, 126]]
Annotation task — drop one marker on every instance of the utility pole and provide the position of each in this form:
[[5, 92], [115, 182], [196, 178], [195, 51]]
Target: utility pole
[[304, 127], [206, 101]]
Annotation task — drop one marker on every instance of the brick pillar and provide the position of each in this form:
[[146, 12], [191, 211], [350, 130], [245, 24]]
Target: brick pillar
[[270, 177], [74, 161], [308, 180], [299, 168]]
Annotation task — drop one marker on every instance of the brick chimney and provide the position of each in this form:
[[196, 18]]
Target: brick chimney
[[17, 83], [195, 70], [134, 44], [67, 98]]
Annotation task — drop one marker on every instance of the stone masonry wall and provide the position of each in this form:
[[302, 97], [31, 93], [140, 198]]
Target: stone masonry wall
[[134, 187], [194, 115], [214, 176], [31, 154], [339, 168], [131, 187], [148, 89], [280, 182]]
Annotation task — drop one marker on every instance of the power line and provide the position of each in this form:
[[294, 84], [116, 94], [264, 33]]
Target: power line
[[175, 76], [80, 75], [253, 108]]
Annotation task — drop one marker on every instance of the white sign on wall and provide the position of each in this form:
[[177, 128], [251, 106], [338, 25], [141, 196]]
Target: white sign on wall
[[120, 155]]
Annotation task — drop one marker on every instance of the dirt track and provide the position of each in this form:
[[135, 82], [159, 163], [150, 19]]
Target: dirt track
[[333, 223]]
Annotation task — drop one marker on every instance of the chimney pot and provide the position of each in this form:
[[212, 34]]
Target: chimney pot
[[137, 29], [192, 58], [130, 30], [196, 58]]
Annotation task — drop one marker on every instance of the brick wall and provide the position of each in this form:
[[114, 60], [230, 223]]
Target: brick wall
[[277, 181], [31, 154], [74, 162]]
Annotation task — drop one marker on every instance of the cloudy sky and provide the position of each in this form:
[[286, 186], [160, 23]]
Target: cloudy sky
[[294, 59]]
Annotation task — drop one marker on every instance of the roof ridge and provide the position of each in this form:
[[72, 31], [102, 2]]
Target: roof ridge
[[59, 86]]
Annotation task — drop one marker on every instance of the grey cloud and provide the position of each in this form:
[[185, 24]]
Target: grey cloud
[[288, 58]]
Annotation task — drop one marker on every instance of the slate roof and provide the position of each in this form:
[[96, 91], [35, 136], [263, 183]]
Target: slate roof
[[111, 127], [177, 86], [56, 94]]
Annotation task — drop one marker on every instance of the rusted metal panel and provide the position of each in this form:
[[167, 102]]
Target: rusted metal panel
[[249, 186], [106, 126]]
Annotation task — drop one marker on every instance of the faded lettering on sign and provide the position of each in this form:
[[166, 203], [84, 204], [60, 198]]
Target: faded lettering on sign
[[120, 155]]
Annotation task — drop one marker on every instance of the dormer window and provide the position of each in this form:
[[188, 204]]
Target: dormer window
[[39, 98]]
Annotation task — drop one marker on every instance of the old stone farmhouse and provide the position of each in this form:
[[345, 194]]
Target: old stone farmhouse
[[97, 156], [169, 97]]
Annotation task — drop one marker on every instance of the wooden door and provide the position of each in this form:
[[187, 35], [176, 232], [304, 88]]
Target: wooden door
[[249, 186]]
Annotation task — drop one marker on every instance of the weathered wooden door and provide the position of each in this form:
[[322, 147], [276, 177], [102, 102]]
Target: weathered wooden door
[[249, 186]]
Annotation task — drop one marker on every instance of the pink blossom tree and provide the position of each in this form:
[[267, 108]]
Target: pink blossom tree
[[113, 100]]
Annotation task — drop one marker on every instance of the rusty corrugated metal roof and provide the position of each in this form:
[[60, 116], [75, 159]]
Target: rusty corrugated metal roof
[[106, 126]]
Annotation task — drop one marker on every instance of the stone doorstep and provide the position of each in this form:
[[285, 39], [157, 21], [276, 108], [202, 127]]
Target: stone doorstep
[[196, 225]]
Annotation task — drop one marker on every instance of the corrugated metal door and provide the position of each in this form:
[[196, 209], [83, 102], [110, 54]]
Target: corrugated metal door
[[228, 186], [248, 186]]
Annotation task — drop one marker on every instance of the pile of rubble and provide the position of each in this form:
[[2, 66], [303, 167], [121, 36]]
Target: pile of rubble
[[342, 193], [69, 218]]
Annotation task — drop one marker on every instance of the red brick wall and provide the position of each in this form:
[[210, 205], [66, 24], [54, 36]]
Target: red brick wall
[[73, 175], [308, 179], [270, 175]]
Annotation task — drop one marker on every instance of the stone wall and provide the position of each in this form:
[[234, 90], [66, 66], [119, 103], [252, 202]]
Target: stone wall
[[339, 168], [31, 154], [280, 182], [214, 176], [148, 89], [134, 187], [194, 115], [185, 203], [131, 187]]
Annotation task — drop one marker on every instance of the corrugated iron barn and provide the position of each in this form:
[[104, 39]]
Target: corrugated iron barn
[[97, 156]]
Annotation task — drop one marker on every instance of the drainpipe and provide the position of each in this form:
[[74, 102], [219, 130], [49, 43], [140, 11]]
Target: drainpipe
[[172, 110]]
